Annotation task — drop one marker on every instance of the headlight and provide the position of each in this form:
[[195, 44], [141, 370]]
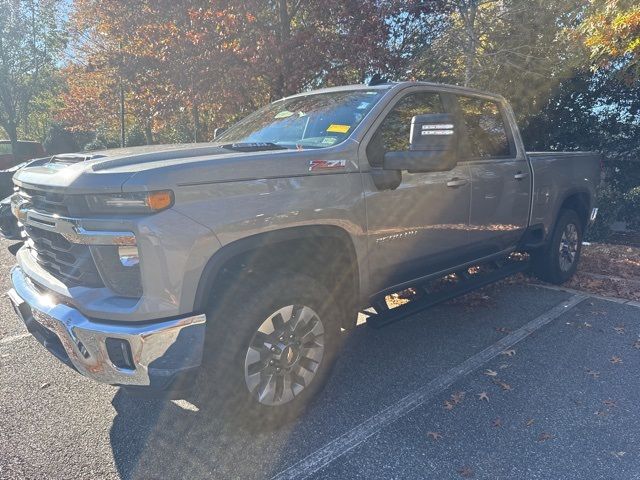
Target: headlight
[[137, 202]]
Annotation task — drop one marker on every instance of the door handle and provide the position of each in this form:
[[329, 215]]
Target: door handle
[[520, 176], [457, 182]]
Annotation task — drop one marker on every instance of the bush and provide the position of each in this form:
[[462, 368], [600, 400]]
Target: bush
[[618, 198]]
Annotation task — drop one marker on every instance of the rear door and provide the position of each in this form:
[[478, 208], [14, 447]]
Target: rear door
[[500, 175], [420, 227]]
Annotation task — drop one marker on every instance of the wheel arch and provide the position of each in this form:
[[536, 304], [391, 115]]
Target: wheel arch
[[326, 251], [580, 201]]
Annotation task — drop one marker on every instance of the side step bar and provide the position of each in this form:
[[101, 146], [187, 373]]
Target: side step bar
[[465, 284]]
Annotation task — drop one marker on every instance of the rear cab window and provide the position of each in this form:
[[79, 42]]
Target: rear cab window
[[487, 135]]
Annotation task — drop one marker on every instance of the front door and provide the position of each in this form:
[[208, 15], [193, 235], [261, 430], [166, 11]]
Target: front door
[[421, 226], [500, 176]]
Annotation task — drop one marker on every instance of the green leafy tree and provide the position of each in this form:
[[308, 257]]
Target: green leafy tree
[[31, 37]]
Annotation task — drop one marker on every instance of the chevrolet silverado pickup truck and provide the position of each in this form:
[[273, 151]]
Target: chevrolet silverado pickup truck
[[240, 264]]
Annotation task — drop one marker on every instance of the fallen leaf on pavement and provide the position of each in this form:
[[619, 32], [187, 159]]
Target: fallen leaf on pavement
[[491, 373], [435, 435], [497, 422], [637, 344], [530, 422], [509, 353], [593, 373], [619, 329], [448, 405], [483, 396], [616, 360], [503, 385], [45, 385], [610, 403], [544, 436], [457, 397], [601, 413], [465, 472], [618, 455]]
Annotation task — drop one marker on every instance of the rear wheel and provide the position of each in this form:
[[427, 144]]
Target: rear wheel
[[558, 262], [271, 344]]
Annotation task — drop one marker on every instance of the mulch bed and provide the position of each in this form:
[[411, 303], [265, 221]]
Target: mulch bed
[[610, 270]]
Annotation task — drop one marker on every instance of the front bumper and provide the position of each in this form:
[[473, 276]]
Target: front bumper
[[158, 352]]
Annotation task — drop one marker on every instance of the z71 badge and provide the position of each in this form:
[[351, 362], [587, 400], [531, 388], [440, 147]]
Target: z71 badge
[[317, 165]]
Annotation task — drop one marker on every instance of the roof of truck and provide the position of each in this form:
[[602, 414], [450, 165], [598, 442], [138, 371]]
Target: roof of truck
[[397, 86]]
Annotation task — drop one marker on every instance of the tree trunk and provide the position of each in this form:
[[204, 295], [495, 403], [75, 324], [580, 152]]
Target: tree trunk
[[12, 131], [148, 131], [195, 114], [280, 88], [471, 43]]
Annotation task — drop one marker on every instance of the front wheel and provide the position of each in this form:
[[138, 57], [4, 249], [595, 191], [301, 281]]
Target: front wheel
[[558, 262], [270, 347]]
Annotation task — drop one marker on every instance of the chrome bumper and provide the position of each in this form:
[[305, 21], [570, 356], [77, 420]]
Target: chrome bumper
[[157, 352]]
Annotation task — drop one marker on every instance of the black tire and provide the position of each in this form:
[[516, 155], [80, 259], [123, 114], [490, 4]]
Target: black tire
[[557, 263], [232, 326]]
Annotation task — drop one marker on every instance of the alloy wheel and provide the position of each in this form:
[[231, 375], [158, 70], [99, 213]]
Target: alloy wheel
[[568, 247], [284, 355]]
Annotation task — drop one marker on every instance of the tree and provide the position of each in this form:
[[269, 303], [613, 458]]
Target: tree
[[611, 31], [518, 48], [31, 36], [216, 61]]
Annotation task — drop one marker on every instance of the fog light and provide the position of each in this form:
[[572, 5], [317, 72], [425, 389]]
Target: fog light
[[119, 352], [128, 256]]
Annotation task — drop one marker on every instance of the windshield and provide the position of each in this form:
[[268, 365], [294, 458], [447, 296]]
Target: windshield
[[311, 121]]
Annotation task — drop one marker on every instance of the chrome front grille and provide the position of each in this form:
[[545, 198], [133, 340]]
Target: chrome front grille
[[44, 202], [69, 262]]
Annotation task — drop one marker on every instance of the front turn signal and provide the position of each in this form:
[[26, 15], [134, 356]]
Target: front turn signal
[[160, 200]]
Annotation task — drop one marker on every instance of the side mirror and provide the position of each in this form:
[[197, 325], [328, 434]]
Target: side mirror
[[432, 146], [218, 131]]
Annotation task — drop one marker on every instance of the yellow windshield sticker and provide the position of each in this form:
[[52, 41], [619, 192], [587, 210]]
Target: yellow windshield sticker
[[335, 128]]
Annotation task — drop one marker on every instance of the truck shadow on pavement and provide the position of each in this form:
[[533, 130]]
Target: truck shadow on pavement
[[174, 439]]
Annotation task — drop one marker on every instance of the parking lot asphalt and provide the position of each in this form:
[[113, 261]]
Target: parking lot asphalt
[[523, 382]]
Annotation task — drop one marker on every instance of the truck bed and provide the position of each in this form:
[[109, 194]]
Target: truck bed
[[557, 176]]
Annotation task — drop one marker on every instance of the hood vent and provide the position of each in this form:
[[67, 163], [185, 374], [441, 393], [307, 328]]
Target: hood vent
[[71, 158]]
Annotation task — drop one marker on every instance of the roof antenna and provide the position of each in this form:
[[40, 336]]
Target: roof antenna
[[377, 79]]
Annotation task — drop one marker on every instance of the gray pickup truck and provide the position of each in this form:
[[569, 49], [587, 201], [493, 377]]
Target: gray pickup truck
[[239, 265]]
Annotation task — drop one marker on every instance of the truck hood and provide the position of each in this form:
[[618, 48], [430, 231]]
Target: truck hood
[[161, 166]]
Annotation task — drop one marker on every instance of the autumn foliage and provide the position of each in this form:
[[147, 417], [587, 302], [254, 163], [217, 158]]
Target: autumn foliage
[[612, 33], [210, 62]]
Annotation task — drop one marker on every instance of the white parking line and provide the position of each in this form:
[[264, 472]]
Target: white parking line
[[354, 437], [14, 338], [622, 301]]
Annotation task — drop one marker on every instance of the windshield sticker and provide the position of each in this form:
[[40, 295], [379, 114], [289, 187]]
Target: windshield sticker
[[363, 105], [329, 140], [284, 114], [336, 128]]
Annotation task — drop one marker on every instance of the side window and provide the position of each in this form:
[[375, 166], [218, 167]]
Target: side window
[[396, 127], [486, 131]]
